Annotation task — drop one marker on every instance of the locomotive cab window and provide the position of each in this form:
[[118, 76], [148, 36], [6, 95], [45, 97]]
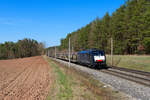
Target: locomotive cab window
[[98, 53]]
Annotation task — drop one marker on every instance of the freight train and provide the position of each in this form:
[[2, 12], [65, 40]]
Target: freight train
[[93, 58]]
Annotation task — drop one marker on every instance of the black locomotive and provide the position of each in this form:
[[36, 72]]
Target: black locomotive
[[93, 58]]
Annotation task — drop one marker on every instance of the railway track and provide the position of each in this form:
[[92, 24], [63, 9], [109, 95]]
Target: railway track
[[131, 77], [136, 76], [132, 71]]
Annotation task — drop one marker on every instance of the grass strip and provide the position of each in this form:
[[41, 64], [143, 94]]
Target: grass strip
[[64, 91], [137, 62]]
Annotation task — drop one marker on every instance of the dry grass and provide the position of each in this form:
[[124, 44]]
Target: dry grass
[[61, 89], [141, 62]]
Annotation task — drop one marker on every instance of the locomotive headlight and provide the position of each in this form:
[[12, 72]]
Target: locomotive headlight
[[99, 58]]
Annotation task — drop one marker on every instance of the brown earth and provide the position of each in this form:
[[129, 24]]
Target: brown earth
[[24, 79]]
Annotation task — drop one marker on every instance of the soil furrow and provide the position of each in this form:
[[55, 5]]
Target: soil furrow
[[30, 82]]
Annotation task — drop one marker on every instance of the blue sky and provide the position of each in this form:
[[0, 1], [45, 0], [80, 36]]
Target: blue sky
[[49, 20]]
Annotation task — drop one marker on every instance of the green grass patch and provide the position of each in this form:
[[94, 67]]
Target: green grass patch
[[64, 91], [140, 62]]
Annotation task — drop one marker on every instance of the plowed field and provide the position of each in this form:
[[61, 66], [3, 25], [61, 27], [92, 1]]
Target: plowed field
[[24, 79]]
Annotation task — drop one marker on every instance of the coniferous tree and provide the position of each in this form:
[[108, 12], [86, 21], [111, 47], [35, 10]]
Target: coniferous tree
[[129, 26]]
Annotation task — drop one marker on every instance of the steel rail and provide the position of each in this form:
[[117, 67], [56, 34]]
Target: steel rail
[[132, 70], [139, 80]]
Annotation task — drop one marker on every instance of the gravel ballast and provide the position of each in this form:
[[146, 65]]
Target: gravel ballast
[[132, 89]]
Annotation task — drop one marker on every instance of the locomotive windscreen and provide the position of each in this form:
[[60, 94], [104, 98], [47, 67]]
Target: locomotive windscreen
[[98, 53]]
